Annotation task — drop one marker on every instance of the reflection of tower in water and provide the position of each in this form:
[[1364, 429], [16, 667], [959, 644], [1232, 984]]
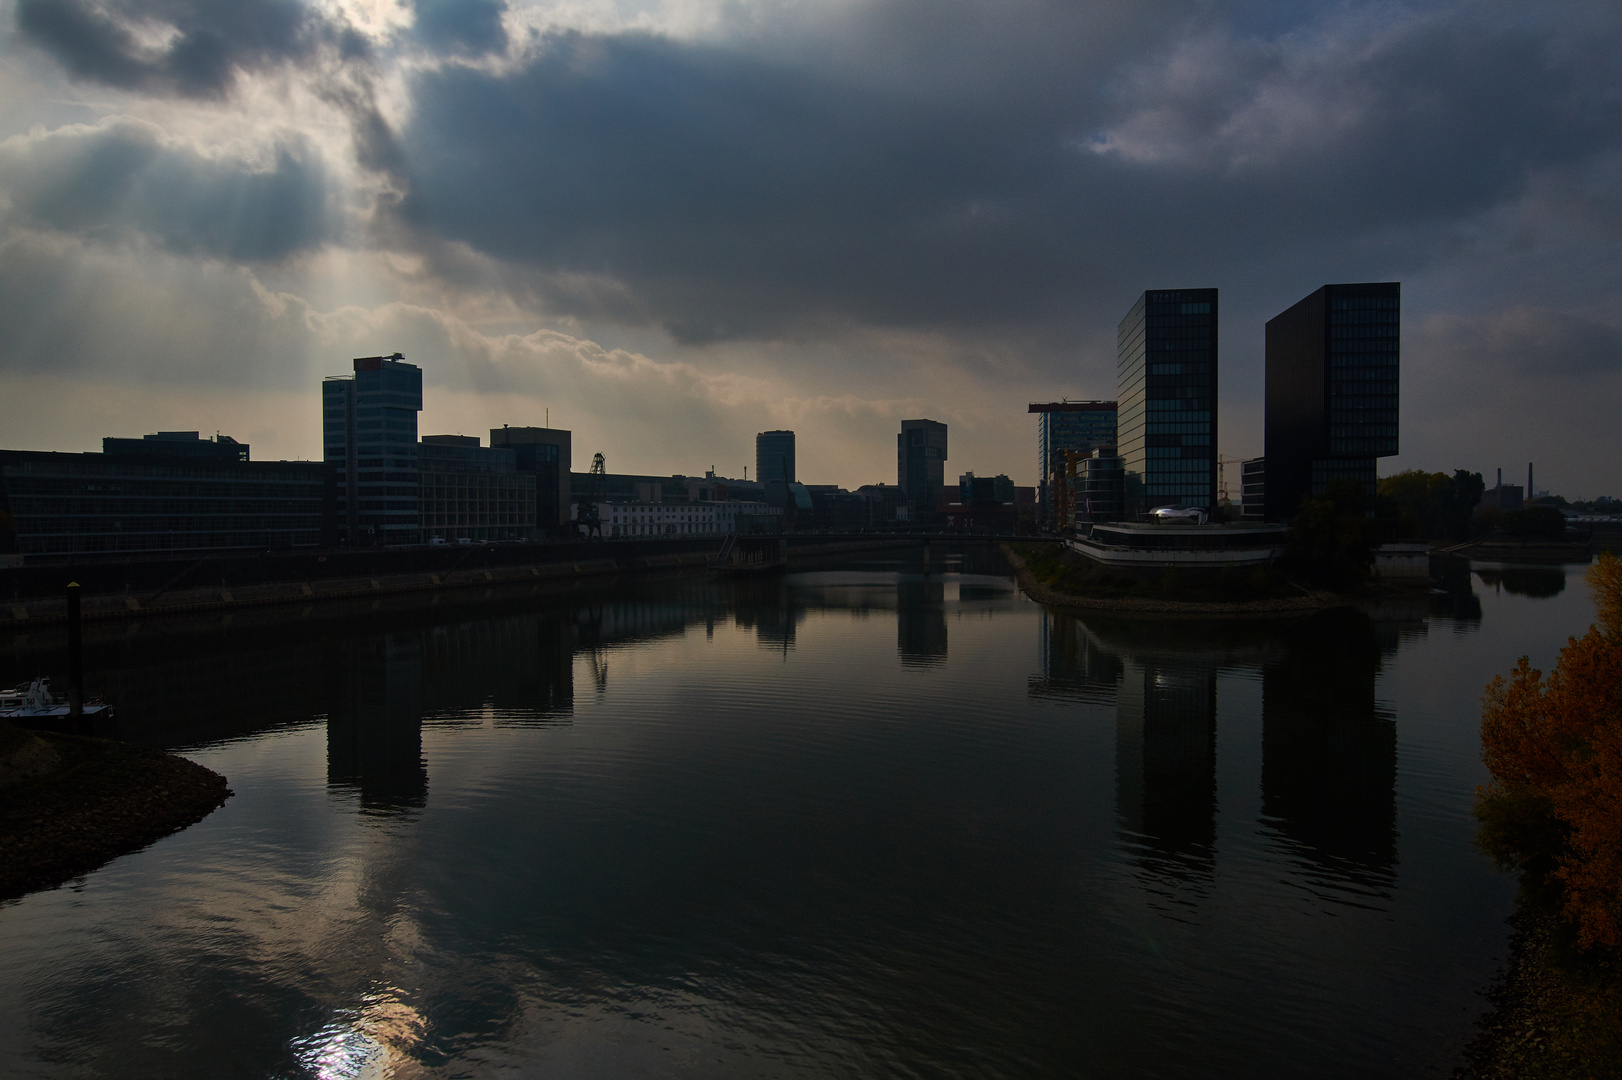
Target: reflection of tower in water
[[1165, 765], [1329, 753], [1073, 665], [374, 722], [921, 622]]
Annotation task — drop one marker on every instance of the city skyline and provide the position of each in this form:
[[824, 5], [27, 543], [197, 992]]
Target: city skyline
[[822, 221]]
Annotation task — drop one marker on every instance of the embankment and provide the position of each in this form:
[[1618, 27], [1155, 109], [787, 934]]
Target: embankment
[[307, 581]]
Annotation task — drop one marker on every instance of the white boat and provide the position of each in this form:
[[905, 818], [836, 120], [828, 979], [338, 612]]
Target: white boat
[[32, 702]]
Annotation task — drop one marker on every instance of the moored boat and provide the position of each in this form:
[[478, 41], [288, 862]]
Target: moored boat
[[33, 702]]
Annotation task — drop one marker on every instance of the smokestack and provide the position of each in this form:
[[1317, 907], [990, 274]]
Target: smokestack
[[1500, 479], [1528, 479]]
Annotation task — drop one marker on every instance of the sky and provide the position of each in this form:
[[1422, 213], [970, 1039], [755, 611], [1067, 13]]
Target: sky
[[670, 224]]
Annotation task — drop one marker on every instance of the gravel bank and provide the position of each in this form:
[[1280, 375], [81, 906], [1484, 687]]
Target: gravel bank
[[102, 800]]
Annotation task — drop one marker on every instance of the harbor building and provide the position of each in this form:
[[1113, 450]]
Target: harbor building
[[774, 456], [1332, 391], [472, 492], [1166, 369], [1061, 426], [172, 491], [545, 453], [369, 437], [921, 463]]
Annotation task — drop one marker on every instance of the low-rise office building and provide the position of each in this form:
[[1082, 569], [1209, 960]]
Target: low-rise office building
[[165, 493], [1157, 545], [473, 492]]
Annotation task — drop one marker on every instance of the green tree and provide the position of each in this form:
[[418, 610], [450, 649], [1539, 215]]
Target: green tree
[[1332, 538], [1431, 505]]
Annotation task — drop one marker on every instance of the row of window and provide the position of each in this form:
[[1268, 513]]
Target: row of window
[[1364, 303]]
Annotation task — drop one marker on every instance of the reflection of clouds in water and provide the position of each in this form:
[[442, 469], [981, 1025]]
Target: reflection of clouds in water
[[362, 1044]]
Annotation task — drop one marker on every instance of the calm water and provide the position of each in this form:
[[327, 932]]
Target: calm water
[[861, 821]]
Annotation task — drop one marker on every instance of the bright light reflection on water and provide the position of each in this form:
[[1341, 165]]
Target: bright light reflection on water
[[881, 819]]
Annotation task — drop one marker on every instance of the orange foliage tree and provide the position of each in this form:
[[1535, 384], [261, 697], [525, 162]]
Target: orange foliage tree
[[1554, 748]]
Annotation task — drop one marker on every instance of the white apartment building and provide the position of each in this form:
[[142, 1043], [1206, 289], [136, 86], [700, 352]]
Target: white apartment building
[[678, 519]]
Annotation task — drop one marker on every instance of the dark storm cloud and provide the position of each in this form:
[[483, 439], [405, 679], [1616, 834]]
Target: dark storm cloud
[[123, 180], [205, 43], [736, 193], [466, 27]]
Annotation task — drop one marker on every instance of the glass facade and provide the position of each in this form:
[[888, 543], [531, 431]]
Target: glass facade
[[369, 435], [1166, 370], [774, 456], [1061, 426], [1363, 352], [81, 503], [1333, 367], [921, 462]]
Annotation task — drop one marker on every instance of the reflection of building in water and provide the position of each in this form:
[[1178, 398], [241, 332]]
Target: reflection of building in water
[[1165, 764], [1538, 582], [1073, 665], [921, 621], [1455, 599], [771, 611], [374, 721], [1329, 752], [523, 667]]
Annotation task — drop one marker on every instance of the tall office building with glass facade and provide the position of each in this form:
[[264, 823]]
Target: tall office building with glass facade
[[1078, 427], [774, 456], [369, 436], [1332, 391], [921, 462], [1166, 367]]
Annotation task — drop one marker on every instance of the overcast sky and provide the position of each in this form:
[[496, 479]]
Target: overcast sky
[[675, 224]]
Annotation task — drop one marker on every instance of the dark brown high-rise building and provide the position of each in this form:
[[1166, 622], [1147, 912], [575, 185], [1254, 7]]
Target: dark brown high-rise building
[[1332, 391]]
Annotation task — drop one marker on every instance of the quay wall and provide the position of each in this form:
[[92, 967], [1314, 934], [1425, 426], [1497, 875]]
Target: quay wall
[[33, 597]]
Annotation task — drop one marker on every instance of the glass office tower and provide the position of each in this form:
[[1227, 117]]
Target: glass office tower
[[369, 435], [774, 456], [921, 462], [1166, 367], [1077, 426], [1332, 391]]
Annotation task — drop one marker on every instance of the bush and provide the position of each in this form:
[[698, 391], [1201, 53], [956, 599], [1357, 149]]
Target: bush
[[1554, 748]]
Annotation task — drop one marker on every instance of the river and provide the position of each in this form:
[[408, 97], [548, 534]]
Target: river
[[880, 817]]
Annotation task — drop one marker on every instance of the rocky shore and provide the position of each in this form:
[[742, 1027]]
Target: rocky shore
[[1554, 1017], [70, 804], [1268, 608]]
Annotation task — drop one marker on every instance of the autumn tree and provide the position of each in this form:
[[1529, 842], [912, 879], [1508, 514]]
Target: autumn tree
[[1554, 748]]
